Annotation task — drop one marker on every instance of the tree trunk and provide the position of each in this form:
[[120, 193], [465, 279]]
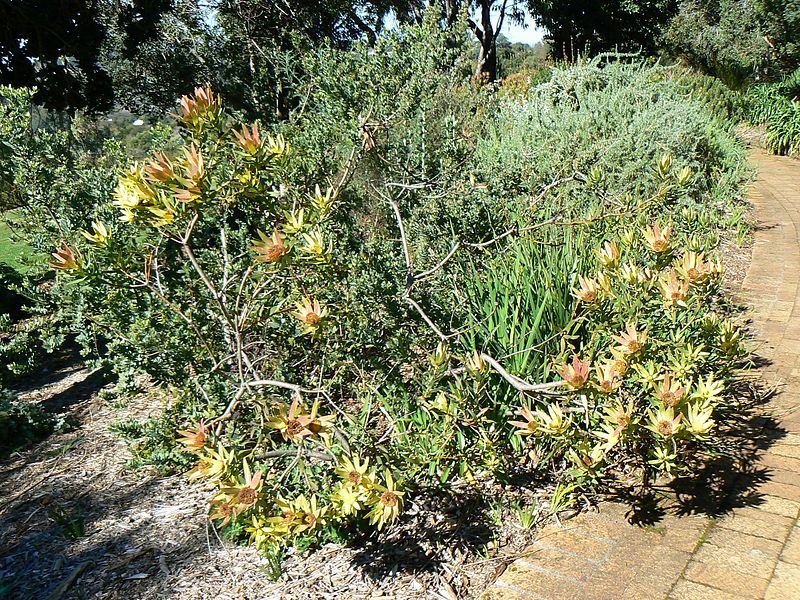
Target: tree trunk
[[487, 59]]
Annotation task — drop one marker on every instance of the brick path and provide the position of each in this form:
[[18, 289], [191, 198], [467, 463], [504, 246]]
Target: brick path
[[750, 545]]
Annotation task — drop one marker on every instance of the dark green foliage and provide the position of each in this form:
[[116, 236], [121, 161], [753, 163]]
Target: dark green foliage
[[714, 95], [578, 28], [152, 62], [777, 106], [779, 21], [152, 442], [783, 129], [739, 41], [720, 37], [56, 46], [22, 422]]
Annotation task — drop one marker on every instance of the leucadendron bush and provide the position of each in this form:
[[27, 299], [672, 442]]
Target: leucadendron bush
[[415, 283]]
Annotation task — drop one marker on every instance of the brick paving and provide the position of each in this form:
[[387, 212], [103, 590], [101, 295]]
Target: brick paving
[[748, 545]]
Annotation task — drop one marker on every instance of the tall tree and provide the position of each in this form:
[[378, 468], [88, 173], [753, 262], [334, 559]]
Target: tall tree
[[56, 45], [577, 27], [720, 37], [258, 38], [152, 64], [779, 20], [485, 20]]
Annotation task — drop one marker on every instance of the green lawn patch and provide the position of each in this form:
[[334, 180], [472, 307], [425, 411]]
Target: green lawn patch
[[14, 253]]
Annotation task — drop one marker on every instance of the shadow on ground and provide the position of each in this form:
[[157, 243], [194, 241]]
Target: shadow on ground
[[67, 547], [721, 482]]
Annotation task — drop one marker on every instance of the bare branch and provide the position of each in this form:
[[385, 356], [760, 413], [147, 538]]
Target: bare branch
[[403, 239], [309, 453], [283, 384], [439, 265], [576, 176], [426, 318], [516, 382]]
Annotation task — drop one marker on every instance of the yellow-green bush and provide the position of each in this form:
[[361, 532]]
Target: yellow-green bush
[[351, 307]]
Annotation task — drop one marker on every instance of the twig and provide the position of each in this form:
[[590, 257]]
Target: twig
[[426, 318], [518, 383], [259, 383], [309, 453], [576, 176], [68, 582]]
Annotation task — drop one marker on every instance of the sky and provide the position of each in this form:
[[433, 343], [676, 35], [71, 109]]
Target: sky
[[515, 33], [530, 35]]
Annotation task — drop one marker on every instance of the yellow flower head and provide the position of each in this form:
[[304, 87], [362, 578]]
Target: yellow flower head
[[648, 373], [159, 169], [589, 290], [203, 103], [386, 503], [350, 499], [657, 239], [628, 237], [685, 176], [553, 421], [671, 392], [709, 390], [263, 534], [693, 267], [620, 360], [355, 472], [577, 374], [587, 458], [631, 340], [608, 254], [308, 516], [530, 426], [137, 199], [323, 202], [194, 439], [664, 422], [238, 497], [730, 337], [674, 291], [295, 221], [295, 424], [277, 146], [99, 234], [440, 356], [249, 139], [65, 259], [663, 458], [664, 164], [270, 249], [698, 419], [609, 379], [314, 246], [213, 464], [475, 365], [311, 314]]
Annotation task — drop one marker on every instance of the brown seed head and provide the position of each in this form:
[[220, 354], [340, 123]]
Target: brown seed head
[[388, 498]]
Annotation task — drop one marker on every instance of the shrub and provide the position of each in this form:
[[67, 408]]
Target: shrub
[[783, 129], [23, 422], [351, 307], [717, 97], [777, 106], [720, 37]]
